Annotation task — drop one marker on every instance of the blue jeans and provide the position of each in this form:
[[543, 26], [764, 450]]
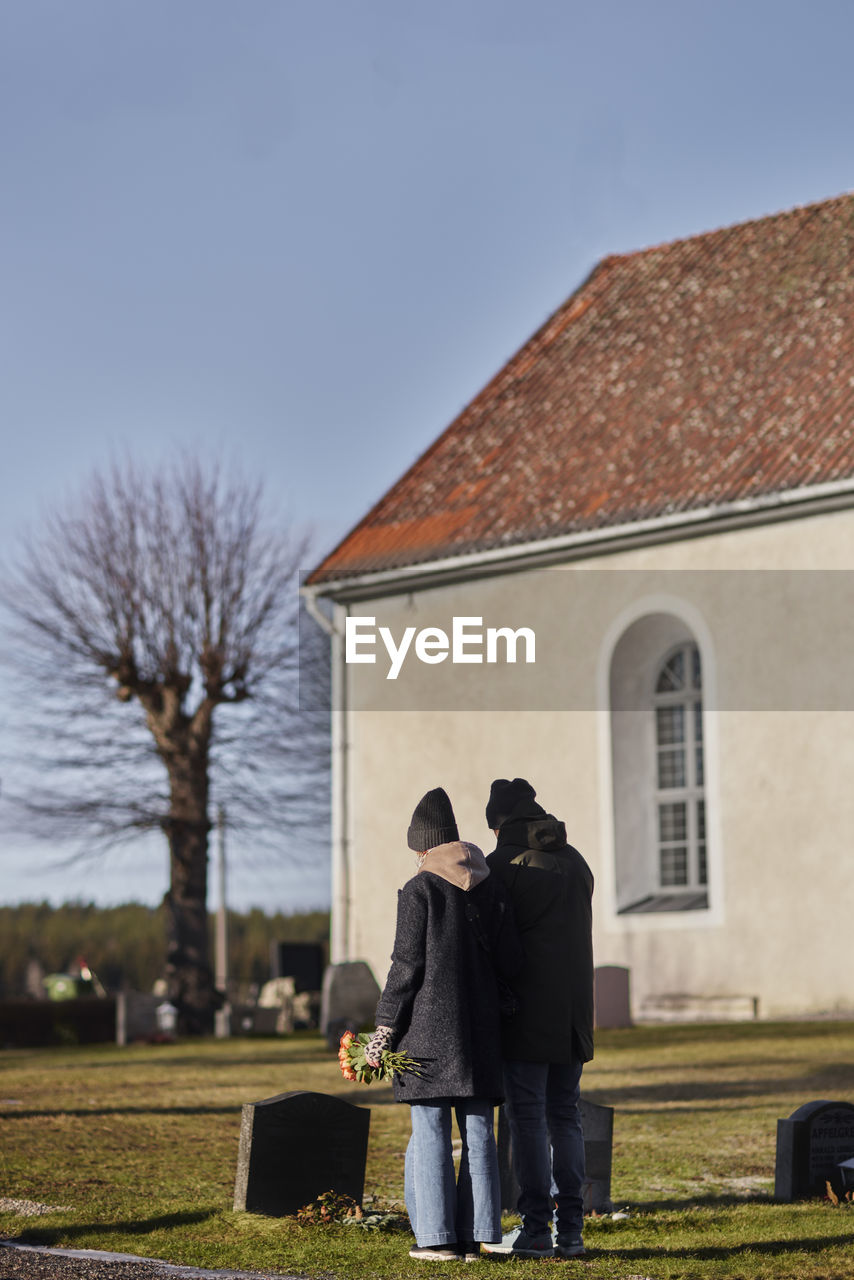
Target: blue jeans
[[542, 1108], [442, 1208]]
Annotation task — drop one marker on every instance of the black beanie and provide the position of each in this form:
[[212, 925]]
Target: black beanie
[[509, 800], [433, 822]]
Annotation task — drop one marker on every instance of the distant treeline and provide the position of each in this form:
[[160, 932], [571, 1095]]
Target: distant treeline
[[125, 946]]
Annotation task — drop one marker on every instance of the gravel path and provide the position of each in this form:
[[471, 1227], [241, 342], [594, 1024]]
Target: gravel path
[[30, 1263]]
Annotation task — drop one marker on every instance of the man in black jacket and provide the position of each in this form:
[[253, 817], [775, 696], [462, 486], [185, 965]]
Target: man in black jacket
[[550, 1036]]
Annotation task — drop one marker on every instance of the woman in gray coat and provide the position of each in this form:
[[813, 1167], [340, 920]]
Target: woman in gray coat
[[455, 940]]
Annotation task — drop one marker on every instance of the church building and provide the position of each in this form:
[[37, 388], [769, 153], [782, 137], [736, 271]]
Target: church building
[[625, 572]]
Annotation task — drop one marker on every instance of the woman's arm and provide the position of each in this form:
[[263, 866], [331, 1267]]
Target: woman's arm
[[406, 974]]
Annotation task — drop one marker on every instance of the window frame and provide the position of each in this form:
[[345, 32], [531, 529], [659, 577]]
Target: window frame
[[686, 756]]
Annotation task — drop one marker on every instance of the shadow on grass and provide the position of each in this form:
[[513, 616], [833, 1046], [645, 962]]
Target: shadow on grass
[[286, 1055], [137, 1227], [364, 1098], [368, 1097], [723, 1253], [657, 1035], [714, 1107], [708, 1200], [88, 1113], [832, 1078], [708, 1066]]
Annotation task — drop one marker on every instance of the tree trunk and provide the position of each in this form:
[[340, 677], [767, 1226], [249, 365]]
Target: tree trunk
[[189, 974]]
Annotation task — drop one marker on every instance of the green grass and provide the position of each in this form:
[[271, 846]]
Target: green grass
[[140, 1145]]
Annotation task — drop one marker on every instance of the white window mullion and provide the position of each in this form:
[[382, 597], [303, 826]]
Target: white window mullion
[[678, 781]]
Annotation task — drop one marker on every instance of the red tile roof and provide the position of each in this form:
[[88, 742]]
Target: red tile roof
[[685, 376]]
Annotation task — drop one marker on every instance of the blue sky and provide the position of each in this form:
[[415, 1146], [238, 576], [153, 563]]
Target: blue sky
[[304, 236]]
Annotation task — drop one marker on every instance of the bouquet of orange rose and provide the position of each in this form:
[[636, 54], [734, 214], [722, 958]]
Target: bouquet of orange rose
[[355, 1066]]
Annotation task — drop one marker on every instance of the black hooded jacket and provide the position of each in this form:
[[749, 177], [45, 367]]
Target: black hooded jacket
[[551, 887]]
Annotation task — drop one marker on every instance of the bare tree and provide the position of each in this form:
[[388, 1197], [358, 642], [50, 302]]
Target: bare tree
[[145, 610]]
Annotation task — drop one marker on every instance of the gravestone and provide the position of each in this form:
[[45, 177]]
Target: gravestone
[[348, 999], [296, 1146], [597, 1124], [136, 1016], [811, 1145], [278, 995], [34, 979], [611, 996]]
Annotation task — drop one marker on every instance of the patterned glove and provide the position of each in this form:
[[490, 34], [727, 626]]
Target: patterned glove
[[381, 1039]]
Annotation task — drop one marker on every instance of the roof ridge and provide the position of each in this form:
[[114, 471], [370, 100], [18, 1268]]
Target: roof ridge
[[812, 206]]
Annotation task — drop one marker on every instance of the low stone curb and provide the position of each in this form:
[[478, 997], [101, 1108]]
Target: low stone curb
[[29, 1260]]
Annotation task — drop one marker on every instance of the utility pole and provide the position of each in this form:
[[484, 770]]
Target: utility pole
[[222, 1021]]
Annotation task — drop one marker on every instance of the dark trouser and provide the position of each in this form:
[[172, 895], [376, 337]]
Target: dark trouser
[[542, 1111]]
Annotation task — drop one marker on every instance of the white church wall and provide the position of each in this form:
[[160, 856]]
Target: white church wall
[[781, 886]]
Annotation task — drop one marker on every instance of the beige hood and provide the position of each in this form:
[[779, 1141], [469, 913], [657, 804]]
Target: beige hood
[[460, 863]]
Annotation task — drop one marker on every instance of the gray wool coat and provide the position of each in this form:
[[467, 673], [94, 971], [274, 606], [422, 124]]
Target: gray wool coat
[[441, 996]]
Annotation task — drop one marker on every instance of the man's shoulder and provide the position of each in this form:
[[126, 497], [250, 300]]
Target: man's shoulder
[[578, 866], [509, 859], [559, 860]]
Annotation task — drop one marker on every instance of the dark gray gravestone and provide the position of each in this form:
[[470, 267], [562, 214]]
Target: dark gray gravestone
[[611, 996], [136, 1016], [296, 1146], [811, 1145], [348, 999], [597, 1124]]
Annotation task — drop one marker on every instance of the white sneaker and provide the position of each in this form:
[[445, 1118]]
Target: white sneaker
[[435, 1252]]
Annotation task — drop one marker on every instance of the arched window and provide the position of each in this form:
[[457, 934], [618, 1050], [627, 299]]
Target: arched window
[[658, 768], [680, 804]]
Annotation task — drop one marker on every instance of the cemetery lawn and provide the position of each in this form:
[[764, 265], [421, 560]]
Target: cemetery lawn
[[135, 1150]]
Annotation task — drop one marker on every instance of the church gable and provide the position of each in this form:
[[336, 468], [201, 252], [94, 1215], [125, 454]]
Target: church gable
[[697, 374]]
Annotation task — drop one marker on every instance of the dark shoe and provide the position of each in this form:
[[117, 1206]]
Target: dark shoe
[[435, 1252], [518, 1244], [468, 1250], [570, 1247]]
